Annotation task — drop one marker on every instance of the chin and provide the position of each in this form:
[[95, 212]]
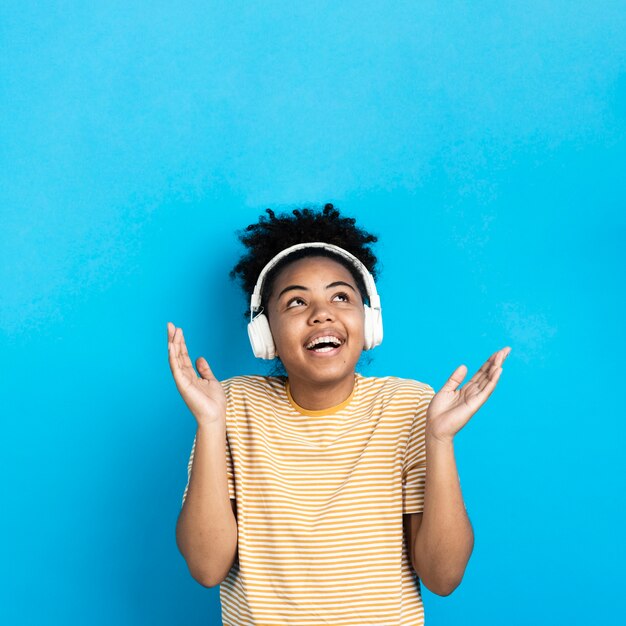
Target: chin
[[324, 373]]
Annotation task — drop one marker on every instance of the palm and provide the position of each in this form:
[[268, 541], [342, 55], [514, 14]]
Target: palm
[[451, 408]]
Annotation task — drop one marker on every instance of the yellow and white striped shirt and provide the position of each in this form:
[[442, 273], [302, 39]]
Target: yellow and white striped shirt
[[320, 498]]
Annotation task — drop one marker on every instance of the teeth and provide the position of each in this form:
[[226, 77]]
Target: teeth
[[325, 349], [327, 339]]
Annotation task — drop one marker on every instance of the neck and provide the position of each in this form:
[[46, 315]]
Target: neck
[[320, 396]]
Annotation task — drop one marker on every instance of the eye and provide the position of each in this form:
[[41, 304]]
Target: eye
[[291, 302], [342, 295]]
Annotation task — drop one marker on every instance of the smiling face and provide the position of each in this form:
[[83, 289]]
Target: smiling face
[[316, 316]]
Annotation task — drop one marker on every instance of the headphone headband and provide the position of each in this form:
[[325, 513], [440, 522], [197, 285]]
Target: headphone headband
[[370, 286]]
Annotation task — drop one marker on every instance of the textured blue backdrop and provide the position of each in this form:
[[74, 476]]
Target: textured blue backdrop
[[481, 142]]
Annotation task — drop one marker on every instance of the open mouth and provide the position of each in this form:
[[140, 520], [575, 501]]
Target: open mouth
[[321, 345]]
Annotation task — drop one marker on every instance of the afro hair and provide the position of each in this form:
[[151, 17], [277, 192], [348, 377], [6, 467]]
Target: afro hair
[[272, 234]]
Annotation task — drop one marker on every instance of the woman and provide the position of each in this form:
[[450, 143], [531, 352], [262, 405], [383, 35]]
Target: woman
[[308, 498]]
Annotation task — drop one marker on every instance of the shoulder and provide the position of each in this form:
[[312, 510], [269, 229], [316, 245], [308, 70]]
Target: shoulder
[[397, 387], [250, 393], [402, 396], [252, 385]]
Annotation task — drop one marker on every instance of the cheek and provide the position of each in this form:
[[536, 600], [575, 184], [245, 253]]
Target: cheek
[[357, 324], [282, 332], [360, 316]]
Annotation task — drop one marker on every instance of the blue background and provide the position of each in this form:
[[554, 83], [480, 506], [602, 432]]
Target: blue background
[[482, 142]]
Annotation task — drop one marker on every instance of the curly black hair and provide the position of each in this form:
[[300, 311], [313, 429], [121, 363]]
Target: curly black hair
[[270, 235]]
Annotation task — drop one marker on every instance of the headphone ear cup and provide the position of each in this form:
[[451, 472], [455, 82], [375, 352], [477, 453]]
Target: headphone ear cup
[[368, 328], [373, 327], [261, 338], [378, 327]]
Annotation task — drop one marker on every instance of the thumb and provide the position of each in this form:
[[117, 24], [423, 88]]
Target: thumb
[[455, 379], [204, 369]]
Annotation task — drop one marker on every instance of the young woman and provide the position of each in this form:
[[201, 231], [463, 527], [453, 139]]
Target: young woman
[[308, 497]]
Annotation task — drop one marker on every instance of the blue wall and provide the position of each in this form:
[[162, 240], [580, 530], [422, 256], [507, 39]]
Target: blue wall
[[481, 142]]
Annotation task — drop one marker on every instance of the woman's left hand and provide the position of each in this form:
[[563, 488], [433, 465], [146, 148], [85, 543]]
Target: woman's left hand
[[450, 409]]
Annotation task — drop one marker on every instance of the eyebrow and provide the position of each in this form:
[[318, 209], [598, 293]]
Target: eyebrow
[[301, 287]]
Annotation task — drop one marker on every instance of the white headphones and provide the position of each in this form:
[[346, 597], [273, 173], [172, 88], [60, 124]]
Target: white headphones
[[259, 329]]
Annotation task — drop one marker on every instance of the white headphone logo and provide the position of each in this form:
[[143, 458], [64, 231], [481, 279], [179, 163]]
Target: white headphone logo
[[259, 329]]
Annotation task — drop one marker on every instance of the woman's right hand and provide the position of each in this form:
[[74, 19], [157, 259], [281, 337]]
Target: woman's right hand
[[203, 395]]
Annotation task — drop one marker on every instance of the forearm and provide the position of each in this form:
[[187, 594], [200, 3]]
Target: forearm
[[206, 531], [445, 538]]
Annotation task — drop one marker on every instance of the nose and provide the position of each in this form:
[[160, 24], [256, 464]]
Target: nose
[[320, 313]]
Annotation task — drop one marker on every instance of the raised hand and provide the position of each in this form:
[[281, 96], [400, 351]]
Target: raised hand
[[203, 395], [451, 408]]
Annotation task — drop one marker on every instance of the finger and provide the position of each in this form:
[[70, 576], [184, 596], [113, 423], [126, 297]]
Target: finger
[[474, 399], [488, 378], [485, 390], [484, 369], [497, 357], [490, 385], [171, 329], [499, 361], [204, 369], [483, 374], [490, 371], [181, 347], [180, 376], [173, 347], [502, 354], [181, 364], [455, 379], [183, 357]]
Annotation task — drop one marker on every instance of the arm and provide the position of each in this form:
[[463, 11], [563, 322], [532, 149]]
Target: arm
[[442, 538], [206, 531]]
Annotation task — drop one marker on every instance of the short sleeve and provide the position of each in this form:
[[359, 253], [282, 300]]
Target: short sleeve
[[414, 466], [229, 470]]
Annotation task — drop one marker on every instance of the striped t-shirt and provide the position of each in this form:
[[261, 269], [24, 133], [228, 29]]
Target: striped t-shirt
[[320, 498]]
